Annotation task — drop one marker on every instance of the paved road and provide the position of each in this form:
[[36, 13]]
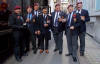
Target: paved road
[[92, 55]]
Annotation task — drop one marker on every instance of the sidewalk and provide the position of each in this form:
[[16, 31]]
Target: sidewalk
[[92, 55], [92, 51]]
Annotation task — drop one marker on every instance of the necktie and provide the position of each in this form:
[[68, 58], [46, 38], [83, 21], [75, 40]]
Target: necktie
[[37, 13], [69, 19], [29, 16], [79, 12], [56, 20], [44, 16]]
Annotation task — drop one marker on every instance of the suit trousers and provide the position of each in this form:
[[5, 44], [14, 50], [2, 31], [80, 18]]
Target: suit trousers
[[17, 44], [82, 41], [44, 42], [58, 38], [33, 39], [72, 42]]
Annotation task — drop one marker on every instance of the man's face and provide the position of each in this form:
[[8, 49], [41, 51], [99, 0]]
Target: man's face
[[17, 11], [70, 9], [79, 6], [36, 7], [45, 11], [29, 10], [57, 8]]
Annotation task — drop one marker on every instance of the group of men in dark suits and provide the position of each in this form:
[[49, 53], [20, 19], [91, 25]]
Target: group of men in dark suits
[[76, 27], [74, 24], [36, 25]]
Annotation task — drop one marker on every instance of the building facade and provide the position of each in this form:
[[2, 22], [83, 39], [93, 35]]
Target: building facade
[[93, 26]]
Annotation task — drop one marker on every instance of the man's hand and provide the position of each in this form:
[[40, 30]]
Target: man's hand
[[60, 19], [27, 20], [48, 21], [49, 14], [64, 20], [38, 32], [72, 27], [45, 25], [83, 18], [18, 17], [75, 19]]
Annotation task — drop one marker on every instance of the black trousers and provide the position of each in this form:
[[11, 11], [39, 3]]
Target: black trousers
[[82, 41], [44, 42], [33, 39], [39, 37], [17, 44], [58, 38], [26, 39]]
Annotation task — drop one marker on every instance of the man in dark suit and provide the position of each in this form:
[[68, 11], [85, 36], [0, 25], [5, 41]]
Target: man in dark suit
[[57, 29], [82, 30], [16, 22], [31, 26], [36, 12], [71, 30], [45, 30]]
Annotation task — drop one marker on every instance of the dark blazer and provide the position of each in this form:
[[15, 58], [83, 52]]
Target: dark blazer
[[45, 30], [37, 19], [76, 23], [83, 23], [15, 23], [31, 25], [60, 26]]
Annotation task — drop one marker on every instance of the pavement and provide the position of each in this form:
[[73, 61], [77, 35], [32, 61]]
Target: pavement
[[92, 55]]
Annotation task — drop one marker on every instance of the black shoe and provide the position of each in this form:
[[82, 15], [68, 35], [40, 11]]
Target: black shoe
[[35, 51], [39, 47], [60, 52], [82, 54], [55, 50], [33, 48], [74, 59], [68, 54], [19, 59], [25, 54]]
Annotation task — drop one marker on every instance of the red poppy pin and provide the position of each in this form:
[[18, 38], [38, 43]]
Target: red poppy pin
[[74, 15]]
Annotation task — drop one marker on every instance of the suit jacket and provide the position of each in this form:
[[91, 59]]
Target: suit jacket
[[83, 23], [45, 30], [76, 23], [60, 24], [31, 25], [37, 19], [16, 22]]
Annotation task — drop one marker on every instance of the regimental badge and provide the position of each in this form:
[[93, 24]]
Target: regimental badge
[[74, 16], [75, 19]]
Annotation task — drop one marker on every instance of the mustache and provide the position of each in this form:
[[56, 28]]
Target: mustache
[[79, 7]]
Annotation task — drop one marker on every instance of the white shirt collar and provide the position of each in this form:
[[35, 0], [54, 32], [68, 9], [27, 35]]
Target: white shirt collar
[[79, 11]]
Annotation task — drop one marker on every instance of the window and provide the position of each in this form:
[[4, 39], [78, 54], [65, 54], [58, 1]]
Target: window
[[64, 1], [97, 5]]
